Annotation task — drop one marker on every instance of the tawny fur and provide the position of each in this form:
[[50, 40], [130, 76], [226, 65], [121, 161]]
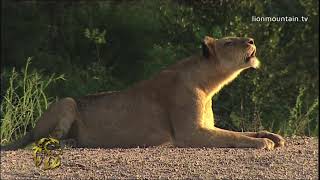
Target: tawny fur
[[173, 106]]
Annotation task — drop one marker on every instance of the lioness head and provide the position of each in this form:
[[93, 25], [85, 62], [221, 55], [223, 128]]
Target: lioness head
[[231, 52]]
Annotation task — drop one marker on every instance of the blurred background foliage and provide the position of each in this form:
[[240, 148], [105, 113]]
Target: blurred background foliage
[[109, 45]]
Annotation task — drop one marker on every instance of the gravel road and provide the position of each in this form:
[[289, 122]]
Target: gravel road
[[298, 160]]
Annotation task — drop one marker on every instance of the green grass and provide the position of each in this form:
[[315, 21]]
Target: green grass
[[24, 101], [301, 117]]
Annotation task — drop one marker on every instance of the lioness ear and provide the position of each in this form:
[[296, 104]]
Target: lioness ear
[[208, 47]]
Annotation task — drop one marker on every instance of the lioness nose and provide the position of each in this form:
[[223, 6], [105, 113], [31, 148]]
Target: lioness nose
[[250, 41]]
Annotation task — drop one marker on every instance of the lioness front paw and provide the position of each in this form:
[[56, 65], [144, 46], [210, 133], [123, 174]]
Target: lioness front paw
[[277, 139], [266, 143]]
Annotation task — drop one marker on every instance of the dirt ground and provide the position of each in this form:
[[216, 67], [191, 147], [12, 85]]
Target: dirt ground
[[298, 160]]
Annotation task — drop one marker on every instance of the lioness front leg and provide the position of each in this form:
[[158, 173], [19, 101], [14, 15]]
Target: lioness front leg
[[203, 137], [209, 122], [277, 139], [188, 131]]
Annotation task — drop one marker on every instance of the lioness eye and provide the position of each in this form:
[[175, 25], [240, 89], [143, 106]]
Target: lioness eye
[[228, 43]]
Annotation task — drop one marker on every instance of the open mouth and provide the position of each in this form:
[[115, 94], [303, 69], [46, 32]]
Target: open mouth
[[250, 55]]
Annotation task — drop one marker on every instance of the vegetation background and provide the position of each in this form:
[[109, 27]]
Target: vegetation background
[[79, 48]]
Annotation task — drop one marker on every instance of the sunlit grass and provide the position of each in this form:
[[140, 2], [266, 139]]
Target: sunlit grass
[[24, 101]]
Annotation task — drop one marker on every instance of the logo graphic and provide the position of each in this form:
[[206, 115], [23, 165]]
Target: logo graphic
[[47, 151]]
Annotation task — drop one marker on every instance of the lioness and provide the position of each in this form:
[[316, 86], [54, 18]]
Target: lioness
[[173, 106]]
